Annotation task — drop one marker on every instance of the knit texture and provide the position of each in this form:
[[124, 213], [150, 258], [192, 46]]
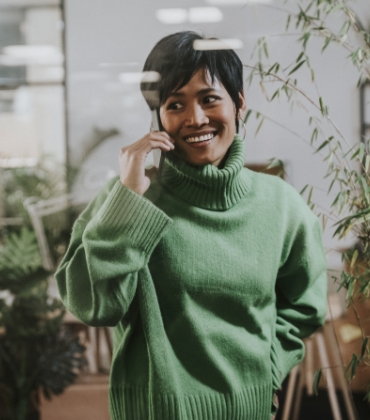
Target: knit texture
[[211, 281]]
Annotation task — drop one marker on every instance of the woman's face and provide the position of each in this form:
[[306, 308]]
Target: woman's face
[[200, 117]]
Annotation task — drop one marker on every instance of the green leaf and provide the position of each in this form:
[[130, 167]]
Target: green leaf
[[306, 36], [265, 48], [365, 188], [316, 381], [276, 93], [362, 151], [299, 57], [352, 366], [303, 189], [354, 258], [323, 108], [247, 116], [328, 40], [288, 22], [331, 185], [312, 75], [296, 67], [309, 196], [259, 126], [364, 346], [314, 135], [345, 28], [271, 69], [322, 145], [367, 163], [351, 287]]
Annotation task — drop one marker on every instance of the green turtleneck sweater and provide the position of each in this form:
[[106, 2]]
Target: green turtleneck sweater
[[211, 281]]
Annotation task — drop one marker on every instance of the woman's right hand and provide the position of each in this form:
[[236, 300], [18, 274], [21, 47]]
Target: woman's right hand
[[132, 159]]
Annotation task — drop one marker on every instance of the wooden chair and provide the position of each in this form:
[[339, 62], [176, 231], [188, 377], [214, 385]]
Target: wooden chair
[[324, 344]]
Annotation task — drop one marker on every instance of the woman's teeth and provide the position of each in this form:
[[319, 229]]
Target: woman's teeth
[[198, 139]]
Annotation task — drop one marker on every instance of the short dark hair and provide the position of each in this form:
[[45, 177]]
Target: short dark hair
[[176, 60]]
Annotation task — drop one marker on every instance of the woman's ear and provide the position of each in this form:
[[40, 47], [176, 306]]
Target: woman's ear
[[242, 104]]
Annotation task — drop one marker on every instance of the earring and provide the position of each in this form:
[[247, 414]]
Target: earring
[[245, 128]]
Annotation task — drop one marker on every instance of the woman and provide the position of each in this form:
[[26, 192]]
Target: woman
[[210, 274]]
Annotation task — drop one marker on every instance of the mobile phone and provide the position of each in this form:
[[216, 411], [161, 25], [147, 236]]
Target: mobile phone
[[158, 155]]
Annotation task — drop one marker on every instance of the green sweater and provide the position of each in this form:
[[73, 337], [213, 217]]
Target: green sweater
[[211, 281]]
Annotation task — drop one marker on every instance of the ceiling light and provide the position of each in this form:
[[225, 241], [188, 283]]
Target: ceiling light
[[138, 77], [46, 55], [171, 16], [236, 2], [205, 14], [218, 44]]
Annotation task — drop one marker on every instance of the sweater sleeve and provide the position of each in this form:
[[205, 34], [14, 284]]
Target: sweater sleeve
[[111, 242], [301, 291]]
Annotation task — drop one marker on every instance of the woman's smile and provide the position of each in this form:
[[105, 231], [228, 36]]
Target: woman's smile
[[200, 117]]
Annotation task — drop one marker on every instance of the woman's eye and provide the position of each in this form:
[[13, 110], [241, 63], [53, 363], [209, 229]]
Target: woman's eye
[[210, 99], [175, 106]]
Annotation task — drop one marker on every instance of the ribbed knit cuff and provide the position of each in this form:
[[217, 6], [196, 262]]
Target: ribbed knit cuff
[[283, 362], [133, 215]]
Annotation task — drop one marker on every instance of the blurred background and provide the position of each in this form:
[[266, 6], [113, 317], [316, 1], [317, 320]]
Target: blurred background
[[70, 99]]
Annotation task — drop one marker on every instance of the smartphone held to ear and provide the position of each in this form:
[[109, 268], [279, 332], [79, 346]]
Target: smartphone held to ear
[[156, 126]]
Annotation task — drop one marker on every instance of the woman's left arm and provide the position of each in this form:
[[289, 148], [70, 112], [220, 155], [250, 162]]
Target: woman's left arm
[[301, 290]]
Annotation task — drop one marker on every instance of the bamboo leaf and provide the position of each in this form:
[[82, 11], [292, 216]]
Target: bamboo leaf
[[309, 196], [262, 86], [328, 40], [277, 93], [352, 366], [367, 163], [303, 189], [299, 57], [365, 188], [322, 145], [297, 67], [305, 37], [354, 258], [356, 215], [271, 69], [247, 115], [364, 346], [316, 381], [357, 152], [259, 126], [312, 75], [324, 221], [288, 22], [322, 106], [265, 49], [314, 135], [351, 287], [331, 185], [362, 151]]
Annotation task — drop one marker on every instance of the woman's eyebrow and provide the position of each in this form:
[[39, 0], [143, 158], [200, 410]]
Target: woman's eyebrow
[[199, 92]]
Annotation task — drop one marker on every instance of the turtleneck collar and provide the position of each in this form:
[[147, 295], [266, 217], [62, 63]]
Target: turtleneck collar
[[208, 186]]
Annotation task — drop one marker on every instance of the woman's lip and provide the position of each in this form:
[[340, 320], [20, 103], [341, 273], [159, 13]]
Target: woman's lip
[[199, 144], [200, 134]]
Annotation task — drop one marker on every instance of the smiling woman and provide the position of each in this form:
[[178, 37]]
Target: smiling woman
[[200, 117], [211, 274]]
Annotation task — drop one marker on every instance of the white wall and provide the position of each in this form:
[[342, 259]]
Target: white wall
[[106, 37]]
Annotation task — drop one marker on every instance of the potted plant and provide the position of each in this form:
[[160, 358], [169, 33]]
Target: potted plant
[[36, 352], [348, 165]]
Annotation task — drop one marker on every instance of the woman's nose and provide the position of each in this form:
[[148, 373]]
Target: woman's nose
[[196, 116]]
